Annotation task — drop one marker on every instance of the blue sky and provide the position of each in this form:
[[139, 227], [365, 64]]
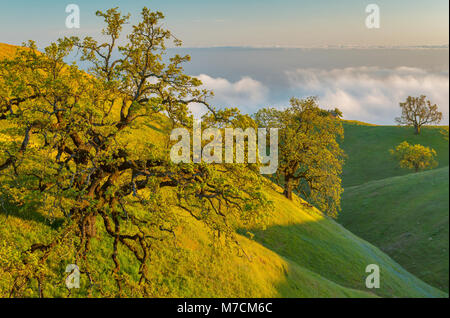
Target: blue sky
[[245, 22]]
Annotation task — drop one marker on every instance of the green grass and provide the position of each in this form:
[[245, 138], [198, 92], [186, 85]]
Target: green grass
[[301, 253], [408, 218], [367, 148], [403, 213]]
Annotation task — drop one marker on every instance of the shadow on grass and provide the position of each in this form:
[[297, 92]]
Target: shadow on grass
[[10, 210], [312, 246], [337, 259]]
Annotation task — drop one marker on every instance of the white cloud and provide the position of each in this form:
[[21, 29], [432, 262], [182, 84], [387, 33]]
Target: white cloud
[[246, 93], [371, 94]]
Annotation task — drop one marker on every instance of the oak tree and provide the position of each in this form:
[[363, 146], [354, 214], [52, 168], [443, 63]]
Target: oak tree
[[310, 158], [415, 157], [81, 147], [418, 111]]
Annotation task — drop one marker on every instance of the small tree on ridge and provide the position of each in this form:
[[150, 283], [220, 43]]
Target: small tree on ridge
[[417, 111]]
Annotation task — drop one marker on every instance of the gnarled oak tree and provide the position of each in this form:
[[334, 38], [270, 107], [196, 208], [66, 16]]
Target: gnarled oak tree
[[80, 146]]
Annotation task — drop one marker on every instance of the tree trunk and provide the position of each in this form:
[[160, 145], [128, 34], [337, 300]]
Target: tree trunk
[[417, 129], [288, 188]]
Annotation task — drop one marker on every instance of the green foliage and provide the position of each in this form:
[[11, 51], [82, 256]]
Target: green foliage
[[77, 149], [311, 159], [417, 111], [336, 112], [415, 157]]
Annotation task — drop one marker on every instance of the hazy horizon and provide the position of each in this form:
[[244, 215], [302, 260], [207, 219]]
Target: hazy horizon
[[366, 84]]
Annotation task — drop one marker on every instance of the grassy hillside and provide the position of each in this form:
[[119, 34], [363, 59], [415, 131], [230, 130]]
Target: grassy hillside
[[7, 50], [403, 213], [298, 253], [367, 148], [408, 218]]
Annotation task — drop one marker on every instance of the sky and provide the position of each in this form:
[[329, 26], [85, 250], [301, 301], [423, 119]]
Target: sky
[[365, 84], [245, 22], [259, 53]]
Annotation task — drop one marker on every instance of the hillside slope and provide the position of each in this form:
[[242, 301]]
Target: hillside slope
[[408, 218], [7, 50], [367, 148], [298, 253]]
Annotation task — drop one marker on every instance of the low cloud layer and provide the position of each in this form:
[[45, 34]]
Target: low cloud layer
[[246, 94], [371, 94]]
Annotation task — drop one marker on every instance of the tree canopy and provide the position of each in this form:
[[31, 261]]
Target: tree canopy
[[80, 148], [310, 158], [415, 157], [418, 111]]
